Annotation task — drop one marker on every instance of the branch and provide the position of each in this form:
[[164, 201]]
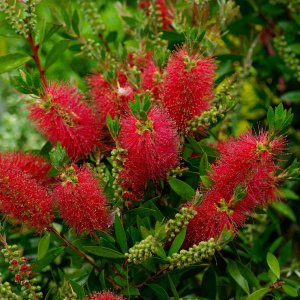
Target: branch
[[35, 49], [84, 256]]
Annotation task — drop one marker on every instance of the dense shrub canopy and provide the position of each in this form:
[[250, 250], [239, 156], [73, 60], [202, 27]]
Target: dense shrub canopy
[[149, 149]]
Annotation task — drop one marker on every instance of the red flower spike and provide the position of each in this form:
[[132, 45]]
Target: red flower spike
[[81, 201], [105, 295], [152, 150], [110, 98], [62, 116], [24, 198], [188, 86], [103, 96], [244, 178], [245, 158], [33, 165], [149, 80]]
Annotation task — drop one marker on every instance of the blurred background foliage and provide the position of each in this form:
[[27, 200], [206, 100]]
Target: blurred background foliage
[[257, 39]]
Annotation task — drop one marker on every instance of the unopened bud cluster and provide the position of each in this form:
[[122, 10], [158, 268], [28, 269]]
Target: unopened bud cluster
[[174, 226], [155, 17], [101, 171], [196, 254], [22, 24], [117, 157], [288, 56], [206, 119], [6, 292], [93, 16], [143, 250], [176, 172], [19, 266]]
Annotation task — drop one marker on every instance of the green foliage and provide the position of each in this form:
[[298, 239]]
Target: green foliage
[[256, 47]]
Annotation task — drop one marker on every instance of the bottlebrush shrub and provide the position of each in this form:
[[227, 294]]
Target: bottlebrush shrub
[[126, 200]]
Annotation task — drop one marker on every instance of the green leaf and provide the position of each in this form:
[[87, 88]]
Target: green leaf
[[78, 289], [293, 96], [161, 252], [207, 182], [75, 22], [159, 291], [234, 271], [291, 291], [131, 291], [178, 241], [204, 165], [13, 61], [257, 295], [120, 234], [284, 209], [56, 52], [104, 252], [273, 264], [48, 259], [181, 188], [209, 284], [131, 22], [295, 48], [144, 212], [43, 246], [51, 29], [173, 288], [58, 156], [271, 117]]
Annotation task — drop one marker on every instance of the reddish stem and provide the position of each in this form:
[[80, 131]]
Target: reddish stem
[[35, 49]]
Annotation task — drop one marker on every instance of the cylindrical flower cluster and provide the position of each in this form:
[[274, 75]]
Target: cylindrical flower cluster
[[143, 250], [24, 198], [81, 201], [152, 150], [187, 87], [196, 254], [244, 177], [63, 116]]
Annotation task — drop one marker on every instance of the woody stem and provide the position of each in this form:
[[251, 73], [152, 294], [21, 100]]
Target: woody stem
[[35, 49]]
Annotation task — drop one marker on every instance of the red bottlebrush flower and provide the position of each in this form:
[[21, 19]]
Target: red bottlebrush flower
[[244, 158], [110, 98], [150, 77], [63, 117], [105, 295], [152, 150], [24, 198], [33, 165], [187, 87], [102, 95], [244, 178], [213, 215], [81, 201], [165, 13]]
